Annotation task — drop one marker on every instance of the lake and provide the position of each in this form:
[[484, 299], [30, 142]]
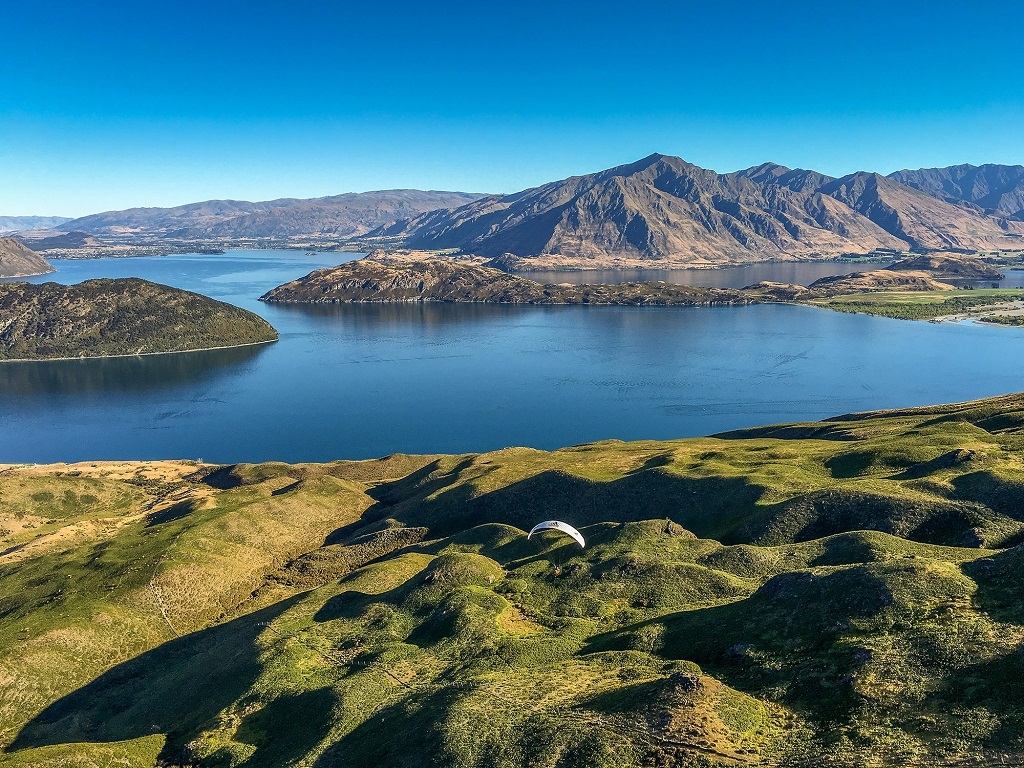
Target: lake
[[360, 381]]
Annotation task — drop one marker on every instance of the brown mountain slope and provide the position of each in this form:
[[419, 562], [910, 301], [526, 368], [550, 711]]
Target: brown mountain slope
[[666, 210], [17, 260], [657, 209]]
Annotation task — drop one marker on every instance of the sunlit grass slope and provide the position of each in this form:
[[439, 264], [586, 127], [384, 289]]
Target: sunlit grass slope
[[921, 305], [846, 592]]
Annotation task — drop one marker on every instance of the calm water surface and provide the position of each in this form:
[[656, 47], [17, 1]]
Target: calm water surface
[[362, 381]]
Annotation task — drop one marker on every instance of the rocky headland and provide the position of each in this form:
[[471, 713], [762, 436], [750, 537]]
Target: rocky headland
[[18, 260]]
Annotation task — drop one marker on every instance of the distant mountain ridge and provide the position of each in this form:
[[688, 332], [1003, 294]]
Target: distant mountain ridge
[[346, 215], [663, 209], [28, 223], [995, 189], [658, 209]]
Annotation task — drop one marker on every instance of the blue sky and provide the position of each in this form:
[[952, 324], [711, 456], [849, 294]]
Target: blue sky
[[114, 104]]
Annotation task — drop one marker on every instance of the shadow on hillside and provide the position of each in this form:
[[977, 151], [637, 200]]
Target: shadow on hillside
[[995, 684], [831, 511], [818, 431], [407, 733], [786, 638], [352, 603], [707, 506], [287, 728], [979, 679], [169, 514], [1004, 495], [174, 689]]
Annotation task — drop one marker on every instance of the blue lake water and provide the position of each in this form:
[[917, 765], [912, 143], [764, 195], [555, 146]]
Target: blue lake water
[[367, 380]]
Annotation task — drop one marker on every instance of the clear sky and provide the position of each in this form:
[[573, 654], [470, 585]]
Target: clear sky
[[115, 104]]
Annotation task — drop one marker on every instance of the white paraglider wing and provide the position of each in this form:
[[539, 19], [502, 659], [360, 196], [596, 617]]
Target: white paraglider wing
[[558, 525]]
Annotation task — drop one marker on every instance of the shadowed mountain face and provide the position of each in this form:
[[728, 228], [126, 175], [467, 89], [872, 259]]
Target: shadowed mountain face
[[994, 189], [664, 209], [339, 215]]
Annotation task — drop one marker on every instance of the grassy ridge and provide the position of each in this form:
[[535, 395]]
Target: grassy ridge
[[838, 593]]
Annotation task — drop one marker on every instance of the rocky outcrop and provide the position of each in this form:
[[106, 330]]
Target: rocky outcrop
[[877, 280], [951, 265], [17, 260]]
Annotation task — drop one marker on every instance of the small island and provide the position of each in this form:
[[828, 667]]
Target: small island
[[899, 291], [126, 317]]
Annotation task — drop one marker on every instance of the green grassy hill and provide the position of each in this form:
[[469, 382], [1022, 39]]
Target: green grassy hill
[[842, 593]]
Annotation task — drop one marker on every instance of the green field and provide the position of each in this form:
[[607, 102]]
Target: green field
[[843, 593], [920, 305]]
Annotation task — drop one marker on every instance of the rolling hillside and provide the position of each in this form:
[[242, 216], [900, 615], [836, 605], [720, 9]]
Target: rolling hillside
[[842, 593]]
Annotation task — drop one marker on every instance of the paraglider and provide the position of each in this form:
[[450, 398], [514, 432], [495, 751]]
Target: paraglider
[[558, 525]]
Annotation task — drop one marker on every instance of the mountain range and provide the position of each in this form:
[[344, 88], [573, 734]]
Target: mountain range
[[995, 189], [664, 209], [659, 209], [340, 216]]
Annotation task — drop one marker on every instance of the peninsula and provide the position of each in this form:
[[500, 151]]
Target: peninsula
[[103, 318], [413, 276], [17, 260]]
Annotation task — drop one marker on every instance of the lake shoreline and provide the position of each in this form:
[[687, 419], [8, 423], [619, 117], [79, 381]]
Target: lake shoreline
[[140, 354]]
